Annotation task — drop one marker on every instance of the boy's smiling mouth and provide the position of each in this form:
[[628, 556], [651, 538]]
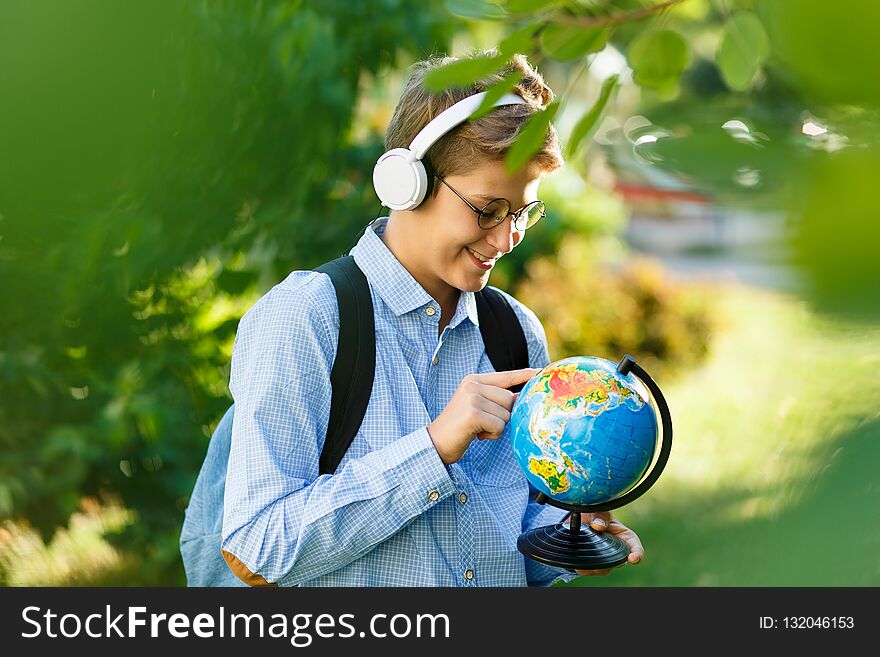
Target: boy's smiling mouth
[[481, 257]]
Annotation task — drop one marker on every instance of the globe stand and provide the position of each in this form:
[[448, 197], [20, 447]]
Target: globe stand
[[575, 547], [578, 547]]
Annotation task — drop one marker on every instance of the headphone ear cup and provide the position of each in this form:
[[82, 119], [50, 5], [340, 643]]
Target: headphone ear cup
[[429, 172], [399, 179], [422, 182]]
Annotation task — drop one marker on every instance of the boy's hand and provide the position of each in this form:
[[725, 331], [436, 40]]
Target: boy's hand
[[604, 521], [479, 408]]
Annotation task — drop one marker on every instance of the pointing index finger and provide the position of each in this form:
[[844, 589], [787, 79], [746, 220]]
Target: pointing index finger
[[507, 378]]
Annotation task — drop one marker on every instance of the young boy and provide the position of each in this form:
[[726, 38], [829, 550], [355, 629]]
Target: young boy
[[416, 500]]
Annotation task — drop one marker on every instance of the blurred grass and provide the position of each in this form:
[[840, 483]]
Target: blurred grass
[[772, 479], [773, 475]]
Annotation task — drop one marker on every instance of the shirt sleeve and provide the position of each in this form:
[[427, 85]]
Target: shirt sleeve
[[536, 514], [283, 523]]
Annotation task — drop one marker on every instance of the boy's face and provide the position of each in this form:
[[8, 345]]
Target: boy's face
[[452, 230]]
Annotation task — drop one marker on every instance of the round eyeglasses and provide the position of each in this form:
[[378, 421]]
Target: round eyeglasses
[[496, 211]]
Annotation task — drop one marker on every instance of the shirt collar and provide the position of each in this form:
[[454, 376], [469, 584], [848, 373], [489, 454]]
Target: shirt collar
[[393, 282]]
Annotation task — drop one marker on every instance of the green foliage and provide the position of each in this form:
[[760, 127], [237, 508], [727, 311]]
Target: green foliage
[[743, 50], [658, 57], [795, 144], [532, 136], [701, 150], [520, 40], [658, 60], [803, 77], [837, 234], [154, 182], [586, 125], [477, 9], [529, 6], [828, 54], [566, 42], [464, 71], [495, 92]]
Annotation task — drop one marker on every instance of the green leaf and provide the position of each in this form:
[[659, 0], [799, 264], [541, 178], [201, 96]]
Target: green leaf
[[463, 72], [658, 59], [476, 9], [565, 42], [495, 92], [743, 50], [530, 139], [588, 121], [519, 41], [528, 6]]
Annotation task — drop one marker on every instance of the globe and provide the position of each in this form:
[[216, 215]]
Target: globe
[[582, 432]]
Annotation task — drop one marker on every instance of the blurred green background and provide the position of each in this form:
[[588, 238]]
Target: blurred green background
[[163, 164]]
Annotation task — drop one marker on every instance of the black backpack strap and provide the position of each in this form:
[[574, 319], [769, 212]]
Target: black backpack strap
[[502, 333], [355, 365]]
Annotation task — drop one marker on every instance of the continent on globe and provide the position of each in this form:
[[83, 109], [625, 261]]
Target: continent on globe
[[569, 386], [557, 480]]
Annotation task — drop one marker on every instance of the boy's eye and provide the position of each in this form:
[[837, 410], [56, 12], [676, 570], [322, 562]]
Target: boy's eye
[[494, 212]]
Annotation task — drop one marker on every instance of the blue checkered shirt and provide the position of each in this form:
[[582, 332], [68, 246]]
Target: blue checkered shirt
[[392, 514]]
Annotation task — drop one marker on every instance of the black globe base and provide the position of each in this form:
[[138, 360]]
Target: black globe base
[[573, 546]]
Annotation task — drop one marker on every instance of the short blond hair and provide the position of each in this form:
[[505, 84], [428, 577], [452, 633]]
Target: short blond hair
[[471, 144]]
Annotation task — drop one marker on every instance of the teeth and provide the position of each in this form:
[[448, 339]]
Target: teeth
[[479, 257]]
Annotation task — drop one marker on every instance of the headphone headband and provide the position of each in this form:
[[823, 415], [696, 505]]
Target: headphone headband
[[451, 117]]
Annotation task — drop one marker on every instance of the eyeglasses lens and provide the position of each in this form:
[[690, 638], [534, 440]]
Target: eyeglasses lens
[[494, 213], [532, 213]]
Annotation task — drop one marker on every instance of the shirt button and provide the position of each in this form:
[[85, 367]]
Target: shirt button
[[433, 496], [435, 360], [469, 574], [430, 310], [462, 497]]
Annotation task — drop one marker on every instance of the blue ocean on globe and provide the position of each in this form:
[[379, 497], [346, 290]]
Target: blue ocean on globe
[[582, 432]]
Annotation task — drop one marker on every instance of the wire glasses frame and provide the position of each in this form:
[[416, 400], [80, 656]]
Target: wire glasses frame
[[497, 210]]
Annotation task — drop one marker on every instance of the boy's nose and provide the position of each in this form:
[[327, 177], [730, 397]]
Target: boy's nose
[[504, 237]]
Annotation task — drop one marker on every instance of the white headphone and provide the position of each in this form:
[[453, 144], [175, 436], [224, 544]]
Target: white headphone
[[400, 177]]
